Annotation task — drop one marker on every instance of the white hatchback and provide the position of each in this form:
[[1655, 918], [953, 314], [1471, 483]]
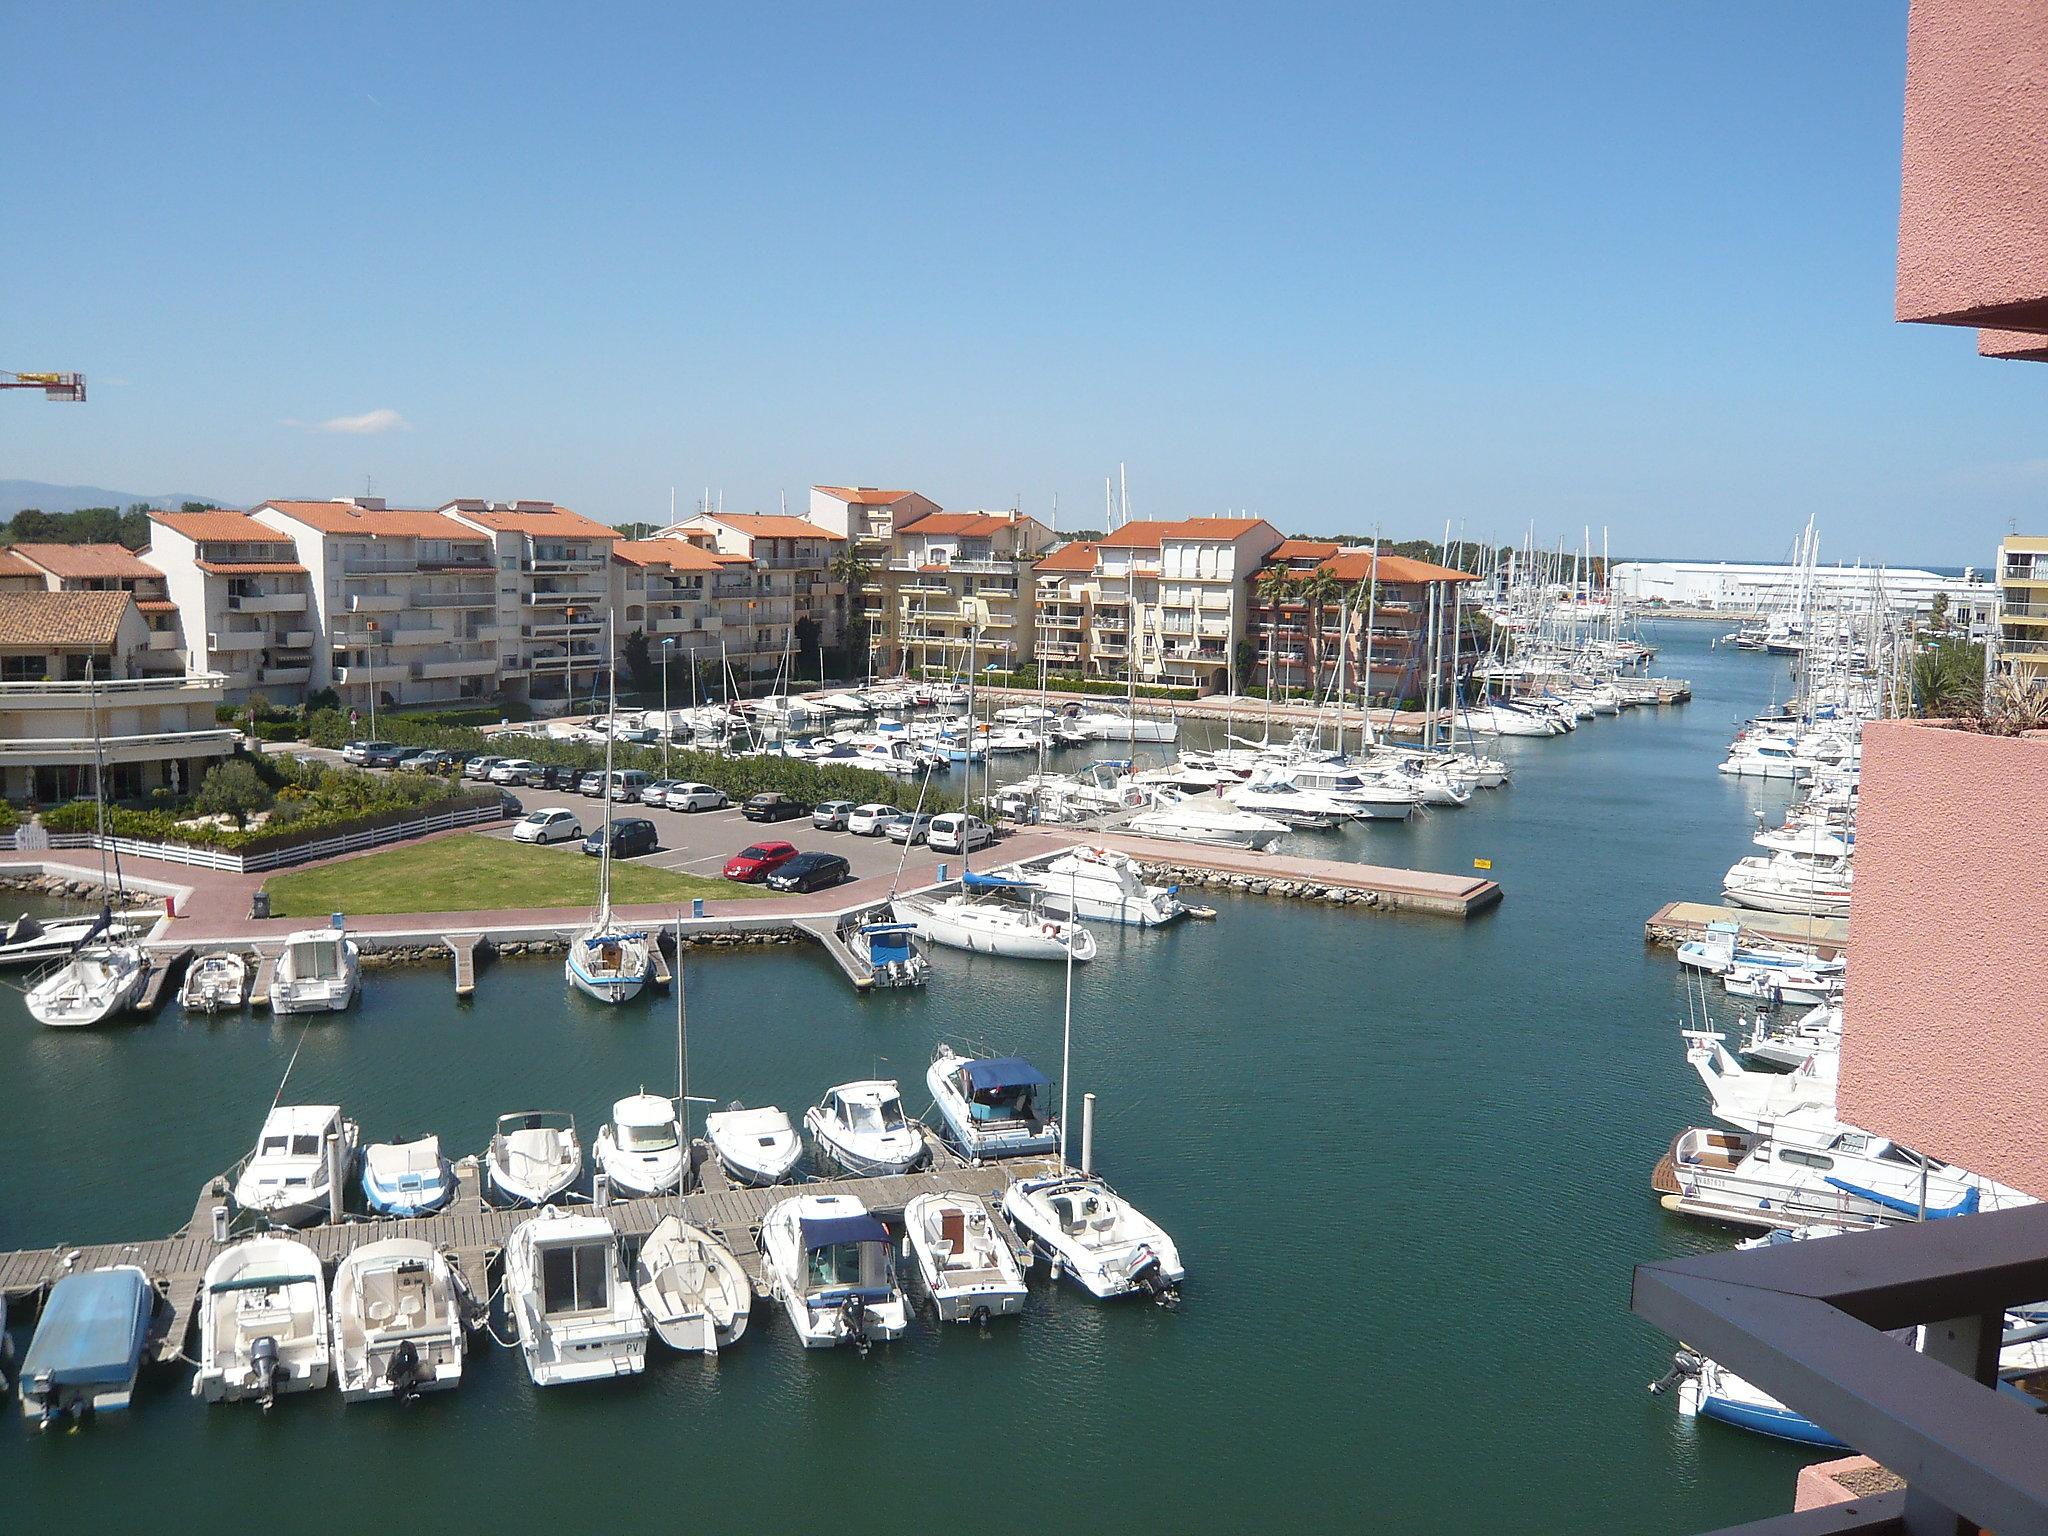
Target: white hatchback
[[694, 797], [870, 820], [554, 825]]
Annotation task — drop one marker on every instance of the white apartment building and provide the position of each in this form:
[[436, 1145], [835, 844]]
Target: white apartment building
[[662, 587], [1171, 598], [795, 553], [870, 518], [957, 575], [1064, 620], [554, 586], [111, 568], [246, 601]]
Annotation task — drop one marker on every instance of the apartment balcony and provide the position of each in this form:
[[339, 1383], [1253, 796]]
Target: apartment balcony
[[278, 677], [165, 640], [567, 597], [412, 636], [379, 565], [1214, 600], [1112, 626], [580, 566], [231, 640], [267, 602], [376, 602], [388, 671], [296, 639], [558, 629], [581, 661], [1059, 650], [113, 693], [447, 598], [140, 747], [458, 663], [1111, 648]]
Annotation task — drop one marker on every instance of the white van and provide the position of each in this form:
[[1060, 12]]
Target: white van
[[957, 833]]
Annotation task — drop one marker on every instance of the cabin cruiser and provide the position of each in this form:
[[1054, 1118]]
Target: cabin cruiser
[[215, 983], [88, 1344], [287, 1180], [990, 1105], [1775, 984], [833, 1268], [968, 1267], [693, 1290], [262, 1323], [892, 953], [1126, 725], [757, 1147], [408, 1177], [1305, 809], [992, 927], [534, 1157], [1098, 885], [1184, 819], [861, 1127], [317, 972], [99, 980], [1791, 883], [1723, 948], [1078, 1223], [641, 1150], [398, 1313], [576, 1315], [30, 940], [1817, 1032], [1797, 1106], [1369, 797], [1433, 783]]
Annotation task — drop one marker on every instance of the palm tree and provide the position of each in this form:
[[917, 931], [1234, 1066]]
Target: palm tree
[[1275, 588], [853, 570], [1319, 589], [1948, 679]]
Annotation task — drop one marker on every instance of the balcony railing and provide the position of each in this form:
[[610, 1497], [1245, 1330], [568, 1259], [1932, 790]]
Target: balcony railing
[[266, 602], [145, 745], [112, 691]]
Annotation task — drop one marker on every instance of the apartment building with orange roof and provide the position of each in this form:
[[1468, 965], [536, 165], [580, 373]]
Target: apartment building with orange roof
[[792, 559], [961, 575], [664, 587], [1413, 616], [554, 584], [111, 568], [242, 599], [869, 518], [1168, 599]]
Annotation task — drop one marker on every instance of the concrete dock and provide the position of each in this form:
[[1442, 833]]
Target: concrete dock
[[1390, 890], [1681, 922]]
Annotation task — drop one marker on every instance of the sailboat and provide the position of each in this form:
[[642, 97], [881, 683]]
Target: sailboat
[[102, 975], [606, 960]]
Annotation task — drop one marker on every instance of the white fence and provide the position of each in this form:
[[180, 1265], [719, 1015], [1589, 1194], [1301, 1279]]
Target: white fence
[[295, 853]]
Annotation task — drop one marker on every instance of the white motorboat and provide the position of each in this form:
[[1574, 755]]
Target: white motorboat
[[215, 983], [288, 1180], [1366, 797], [31, 940], [1499, 717], [262, 1323], [1184, 819], [317, 972], [398, 1313], [693, 1290], [758, 1147], [1775, 984], [990, 1105], [992, 927], [833, 1268], [1114, 725], [408, 1177], [1791, 884], [575, 1313], [534, 1157], [1817, 1032], [1724, 948], [861, 1127], [893, 952], [98, 981], [1796, 1107], [1077, 1223], [968, 1267], [641, 1150], [1099, 886], [1305, 809]]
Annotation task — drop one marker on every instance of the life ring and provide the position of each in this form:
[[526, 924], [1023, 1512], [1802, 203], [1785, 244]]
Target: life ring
[[1050, 930]]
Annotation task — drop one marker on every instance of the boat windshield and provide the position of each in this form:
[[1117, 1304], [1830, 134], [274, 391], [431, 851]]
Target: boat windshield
[[575, 1277], [839, 1265], [280, 1145], [648, 1138], [885, 1115]]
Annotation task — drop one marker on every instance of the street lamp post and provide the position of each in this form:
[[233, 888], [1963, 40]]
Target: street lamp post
[[371, 651], [667, 645]]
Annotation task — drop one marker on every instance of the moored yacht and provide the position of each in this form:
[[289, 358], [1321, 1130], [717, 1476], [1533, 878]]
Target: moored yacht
[[88, 1344], [408, 1177], [833, 1268], [97, 981], [262, 1323], [1184, 819], [288, 1179], [993, 927], [757, 1147], [641, 1150], [1098, 885], [1077, 1223], [990, 1105], [534, 1157], [696, 1296], [317, 972], [215, 983], [572, 1307], [861, 1127]]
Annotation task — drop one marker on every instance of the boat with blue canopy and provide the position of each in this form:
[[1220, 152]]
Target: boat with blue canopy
[[892, 953], [990, 1105], [88, 1346], [832, 1265]]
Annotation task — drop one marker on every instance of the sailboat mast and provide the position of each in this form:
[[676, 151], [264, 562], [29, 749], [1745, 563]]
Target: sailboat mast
[[1372, 592], [682, 1064], [611, 725]]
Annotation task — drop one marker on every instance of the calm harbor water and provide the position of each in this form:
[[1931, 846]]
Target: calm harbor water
[[1406, 1161]]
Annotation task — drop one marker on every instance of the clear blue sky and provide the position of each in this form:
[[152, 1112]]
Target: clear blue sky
[[1625, 264]]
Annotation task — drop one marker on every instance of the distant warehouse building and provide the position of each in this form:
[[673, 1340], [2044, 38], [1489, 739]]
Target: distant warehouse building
[[1737, 588]]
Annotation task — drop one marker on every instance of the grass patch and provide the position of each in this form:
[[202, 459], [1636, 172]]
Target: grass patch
[[478, 873]]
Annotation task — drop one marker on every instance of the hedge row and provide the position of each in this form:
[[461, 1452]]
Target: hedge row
[[1067, 682]]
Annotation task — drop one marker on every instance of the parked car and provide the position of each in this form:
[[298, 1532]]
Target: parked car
[[688, 796], [908, 827], [358, 752], [555, 776], [382, 754], [422, 760], [870, 820], [512, 770], [631, 835], [480, 767], [770, 806], [757, 861], [810, 872], [590, 782], [830, 815], [553, 825], [627, 784], [957, 833], [656, 793]]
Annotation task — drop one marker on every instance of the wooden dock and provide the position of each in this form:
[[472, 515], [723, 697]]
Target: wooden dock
[[1386, 889], [164, 967], [266, 973], [1681, 922]]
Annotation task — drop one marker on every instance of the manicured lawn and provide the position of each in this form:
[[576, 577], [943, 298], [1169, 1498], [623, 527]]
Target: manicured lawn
[[476, 873]]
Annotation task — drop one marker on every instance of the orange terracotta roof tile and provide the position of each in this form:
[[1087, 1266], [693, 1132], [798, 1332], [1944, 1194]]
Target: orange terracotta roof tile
[[156, 605], [250, 568], [772, 525], [373, 522], [83, 561], [1304, 549], [1078, 556], [221, 527], [1214, 527], [12, 564], [62, 618], [864, 495], [1356, 564], [1137, 534], [547, 521], [961, 524], [675, 554]]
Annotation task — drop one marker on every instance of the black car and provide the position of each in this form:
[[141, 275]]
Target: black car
[[554, 776], [630, 835], [773, 807], [382, 754], [810, 872]]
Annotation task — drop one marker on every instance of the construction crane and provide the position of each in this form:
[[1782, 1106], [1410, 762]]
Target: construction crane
[[55, 386]]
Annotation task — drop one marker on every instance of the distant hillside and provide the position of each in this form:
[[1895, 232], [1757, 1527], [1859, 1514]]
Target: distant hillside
[[36, 513], [17, 494]]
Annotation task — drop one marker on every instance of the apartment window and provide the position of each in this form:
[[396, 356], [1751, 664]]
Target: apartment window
[[509, 563], [24, 669]]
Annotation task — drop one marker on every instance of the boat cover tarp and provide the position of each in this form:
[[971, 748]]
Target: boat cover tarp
[[999, 1072], [824, 1231], [890, 944], [92, 1330], [974, 882]]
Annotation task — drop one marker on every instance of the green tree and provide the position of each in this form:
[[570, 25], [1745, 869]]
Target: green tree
[[1319, 592], [232, 788], [1937, 613], [1948, 679], [639, 658], [807, 632]]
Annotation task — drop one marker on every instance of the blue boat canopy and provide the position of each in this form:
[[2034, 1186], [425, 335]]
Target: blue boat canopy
[[888, 942], [824, 1231], [92, 1331], [1003, 1072], [975, 882]]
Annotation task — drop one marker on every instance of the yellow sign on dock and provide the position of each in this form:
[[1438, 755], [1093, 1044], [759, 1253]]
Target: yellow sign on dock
[[1482, 863]]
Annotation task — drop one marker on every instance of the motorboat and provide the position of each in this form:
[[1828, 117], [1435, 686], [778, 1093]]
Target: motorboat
[[573, 1309], [288, 1180], [1790, 883], [641, 1150], [99, 980], [1078, 1224], [993, 927], [1503, 717], [1127, 726], [1098, 885], [317, 972], [1775, 984], [1305, 809], [1797, 1106], [399, 1310], [1365, 797], [892, 952], [696, 1296], [861, 1127], [534, 1157], [1724, 948], [990, 1105], [1790, 1045], [409, 1177], [215, 983], [1185, 819], [262, 1323], [758, 1147], [32, 940], [88, 1344], [967, 1266], [833, 1268]]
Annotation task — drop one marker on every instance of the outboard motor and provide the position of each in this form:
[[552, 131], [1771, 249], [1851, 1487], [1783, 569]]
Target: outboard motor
[[1683, 1364], [403, 1374], [853, 1323], [981, 1318], [1151, 1278], [263, 1361]]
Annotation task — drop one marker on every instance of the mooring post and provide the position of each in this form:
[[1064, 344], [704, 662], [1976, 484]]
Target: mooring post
[[1087, 1133], [600, 1189], [334, 1189]]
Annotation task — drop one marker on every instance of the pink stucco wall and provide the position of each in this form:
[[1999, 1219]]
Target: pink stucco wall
[[2021, 346], [1945, 1025], [1973, 205]]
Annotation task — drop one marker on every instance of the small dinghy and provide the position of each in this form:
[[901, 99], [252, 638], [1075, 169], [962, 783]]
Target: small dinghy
[[534, 1156], [398, 1321], [576, 1316], [641, 1150], [861, 1127], [968, 1268], [408, 1177], [88, 1344], [694, 1292], [262, 1323], [318, 972], [287, 1180], [215, 983], [833, 1268], [758, 1147], [990, 1106], [1079, 1224]]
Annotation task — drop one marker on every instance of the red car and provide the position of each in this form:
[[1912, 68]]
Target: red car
[[758, 861]]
